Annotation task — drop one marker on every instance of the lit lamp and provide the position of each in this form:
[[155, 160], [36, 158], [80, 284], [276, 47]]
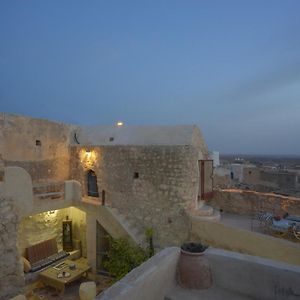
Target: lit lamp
[[88, 153], [119, 123]]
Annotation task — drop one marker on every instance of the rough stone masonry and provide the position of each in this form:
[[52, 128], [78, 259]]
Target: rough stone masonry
[[10, 264]]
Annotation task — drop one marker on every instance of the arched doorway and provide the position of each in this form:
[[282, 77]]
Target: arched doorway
[[92, 186]]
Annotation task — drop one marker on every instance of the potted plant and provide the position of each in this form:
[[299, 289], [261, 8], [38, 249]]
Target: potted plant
[[194, 271], [192, 247]]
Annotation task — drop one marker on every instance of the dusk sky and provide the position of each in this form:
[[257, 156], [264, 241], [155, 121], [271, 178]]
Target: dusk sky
[[231, 67]]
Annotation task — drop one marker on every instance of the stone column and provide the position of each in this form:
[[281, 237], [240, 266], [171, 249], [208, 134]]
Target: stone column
[[11, 270], [91, 240]]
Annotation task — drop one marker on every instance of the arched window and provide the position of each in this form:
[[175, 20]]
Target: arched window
[[92, 186]]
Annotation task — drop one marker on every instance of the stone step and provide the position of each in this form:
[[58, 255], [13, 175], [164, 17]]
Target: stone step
[[91, 201], [216, 216], [205, 210], [201, 203], [114, 210], [129, 226]]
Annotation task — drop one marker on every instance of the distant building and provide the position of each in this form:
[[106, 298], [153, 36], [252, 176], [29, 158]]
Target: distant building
[[215, 156]]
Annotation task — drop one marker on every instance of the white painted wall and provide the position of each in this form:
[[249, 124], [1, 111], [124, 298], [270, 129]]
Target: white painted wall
[[240, 274]]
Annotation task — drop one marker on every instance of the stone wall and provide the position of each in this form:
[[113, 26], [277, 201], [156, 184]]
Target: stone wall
[[78, 218], [268, 180], [41, 227], [152, 186], [39, 146], [11, 275], [222, 178], [251, 202]]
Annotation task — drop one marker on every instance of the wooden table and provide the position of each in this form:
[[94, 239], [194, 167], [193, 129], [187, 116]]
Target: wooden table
[[49, 276]]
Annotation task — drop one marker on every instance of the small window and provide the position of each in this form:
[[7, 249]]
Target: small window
[[92, 185], [111, 139], [38, 143], [250, 172], [136, 175]]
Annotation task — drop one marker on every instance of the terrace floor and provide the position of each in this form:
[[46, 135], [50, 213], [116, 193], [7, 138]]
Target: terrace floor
[[247, 222], [213, 293], [241, 221]]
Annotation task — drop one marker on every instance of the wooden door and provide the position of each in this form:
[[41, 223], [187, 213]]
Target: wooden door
[[206, 179]]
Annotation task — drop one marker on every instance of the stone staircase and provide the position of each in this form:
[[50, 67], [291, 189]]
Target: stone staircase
[[116, 223], [206, 212], [135, 232]]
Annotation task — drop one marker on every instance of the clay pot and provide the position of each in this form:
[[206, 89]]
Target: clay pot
[[194, 271]]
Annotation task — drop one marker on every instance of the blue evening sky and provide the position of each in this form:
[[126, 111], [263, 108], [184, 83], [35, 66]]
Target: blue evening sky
[[231, 67]]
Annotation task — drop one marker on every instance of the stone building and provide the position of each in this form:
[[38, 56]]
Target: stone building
[[116, 180]]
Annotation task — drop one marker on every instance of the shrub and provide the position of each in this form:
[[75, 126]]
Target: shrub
[[123, 257], [149, 236]]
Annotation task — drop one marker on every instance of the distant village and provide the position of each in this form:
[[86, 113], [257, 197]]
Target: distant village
[[277, 174]]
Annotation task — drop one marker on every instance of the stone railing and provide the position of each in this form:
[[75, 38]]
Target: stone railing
[[49, 190]]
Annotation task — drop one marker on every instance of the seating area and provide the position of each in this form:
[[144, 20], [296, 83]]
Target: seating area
[[78, 289], [52, 274], [44, 254], [48, 261]]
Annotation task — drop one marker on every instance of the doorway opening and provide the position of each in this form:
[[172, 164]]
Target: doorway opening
[[205, 179], [102, 248]]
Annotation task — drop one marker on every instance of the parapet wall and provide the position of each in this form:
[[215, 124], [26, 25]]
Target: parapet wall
[[251, 202], [253, 276], [152, 280], [217, 234], [240, 274]]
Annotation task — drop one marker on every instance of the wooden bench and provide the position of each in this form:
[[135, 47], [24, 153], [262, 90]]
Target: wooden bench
[[44, 254]]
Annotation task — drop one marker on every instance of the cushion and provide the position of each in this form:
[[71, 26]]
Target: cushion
[[41, 250], [26, 265]]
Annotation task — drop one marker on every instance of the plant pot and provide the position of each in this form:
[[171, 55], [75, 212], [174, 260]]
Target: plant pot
[[194, 271]]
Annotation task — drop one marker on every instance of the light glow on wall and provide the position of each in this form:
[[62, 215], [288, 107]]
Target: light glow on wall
[[50, 215], [88, 157]]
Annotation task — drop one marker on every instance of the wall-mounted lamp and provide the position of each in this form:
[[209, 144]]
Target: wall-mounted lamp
[[88, 154], [88, 157], [50, 214]]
